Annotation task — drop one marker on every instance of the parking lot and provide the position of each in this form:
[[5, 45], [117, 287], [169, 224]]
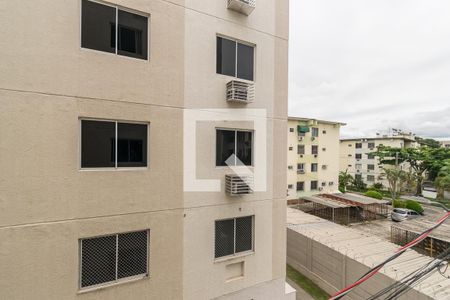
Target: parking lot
[[382, 228]]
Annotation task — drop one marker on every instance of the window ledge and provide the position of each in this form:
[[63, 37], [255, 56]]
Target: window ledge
[[114, 283], [232, 257], [113, 169]]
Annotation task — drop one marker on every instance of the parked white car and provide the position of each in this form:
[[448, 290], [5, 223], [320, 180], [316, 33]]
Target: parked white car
[[401, 214]]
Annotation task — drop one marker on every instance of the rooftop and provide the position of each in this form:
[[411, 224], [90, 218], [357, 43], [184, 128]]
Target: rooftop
[[363, 200], [318, 121], [327, 202], [398, 137], [422, 223]]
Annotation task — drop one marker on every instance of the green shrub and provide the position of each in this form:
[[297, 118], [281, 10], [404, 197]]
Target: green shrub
[[378, 186], [399, 204], [414, 205], [374, 194], [342, 189]]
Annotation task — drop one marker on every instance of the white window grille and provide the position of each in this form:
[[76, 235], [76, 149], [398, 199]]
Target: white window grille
[[245, 7], [240, 91], [236, 185]]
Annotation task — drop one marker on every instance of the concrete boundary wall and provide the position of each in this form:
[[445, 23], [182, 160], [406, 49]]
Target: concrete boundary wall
[[333, 268], [332, 271]]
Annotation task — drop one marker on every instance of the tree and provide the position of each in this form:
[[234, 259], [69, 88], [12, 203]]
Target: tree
[[395, 177], [421, 160], [344, 180], [442, 180], [428, 142]]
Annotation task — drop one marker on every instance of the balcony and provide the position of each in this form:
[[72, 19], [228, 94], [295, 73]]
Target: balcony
[[300, 171], [240, 91], [245, 7], [236, 185]]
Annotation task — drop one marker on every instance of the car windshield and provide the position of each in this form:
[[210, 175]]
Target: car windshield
[[400, 211]]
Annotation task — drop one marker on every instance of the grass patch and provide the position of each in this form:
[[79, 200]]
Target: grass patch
[[306, 284]]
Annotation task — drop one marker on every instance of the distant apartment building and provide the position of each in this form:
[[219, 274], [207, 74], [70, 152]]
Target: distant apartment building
[[94, 97], [445, 144], [356, 156], [313, 156]]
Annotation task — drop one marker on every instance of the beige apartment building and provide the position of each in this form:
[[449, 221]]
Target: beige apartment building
[[445, 144], [93, 199], [356, 157], [313, 157]]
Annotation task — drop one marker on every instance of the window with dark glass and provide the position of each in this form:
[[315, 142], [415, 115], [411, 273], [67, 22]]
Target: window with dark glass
[[370, 178], [291, 129], [235, 59], [358, 145], [358, 155], [110, 258], [314, 185], [370, 155], [101, 140], [300, 186], [371, 145], [314, 167], [229, 142], [99, 30], [371, 167], [314, 132], [233, 236], [314, 149], [300, 149]]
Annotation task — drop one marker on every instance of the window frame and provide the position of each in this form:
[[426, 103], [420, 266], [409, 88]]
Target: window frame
[[117, 7], [116, 168], [236, 40], [117, 281], [317, 167], [302, 184], [311, 185], [235, 145], [235, 254]]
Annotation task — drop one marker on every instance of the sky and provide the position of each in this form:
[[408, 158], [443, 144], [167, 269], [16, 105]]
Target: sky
[[373, 64]]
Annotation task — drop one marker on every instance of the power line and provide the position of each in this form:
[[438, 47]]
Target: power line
[[399, 252]]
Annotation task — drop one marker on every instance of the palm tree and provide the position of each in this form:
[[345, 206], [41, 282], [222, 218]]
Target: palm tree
[[396, 178], [344, 180], [442, 181]]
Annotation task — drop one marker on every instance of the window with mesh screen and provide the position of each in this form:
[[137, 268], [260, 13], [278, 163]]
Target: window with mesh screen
[[233, 236], [110, 258]]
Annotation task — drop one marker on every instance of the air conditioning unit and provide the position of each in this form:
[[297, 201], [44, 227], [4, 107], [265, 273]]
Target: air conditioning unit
[[300, 171], [240, 91], [301, 155], [330, 183], [315, 155], [320, 188], [236, 185], [243, 6], [324, 167], [357, 171], [313, 138], [300, 138]]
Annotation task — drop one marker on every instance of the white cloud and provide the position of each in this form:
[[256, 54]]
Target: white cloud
[[372, 64]]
